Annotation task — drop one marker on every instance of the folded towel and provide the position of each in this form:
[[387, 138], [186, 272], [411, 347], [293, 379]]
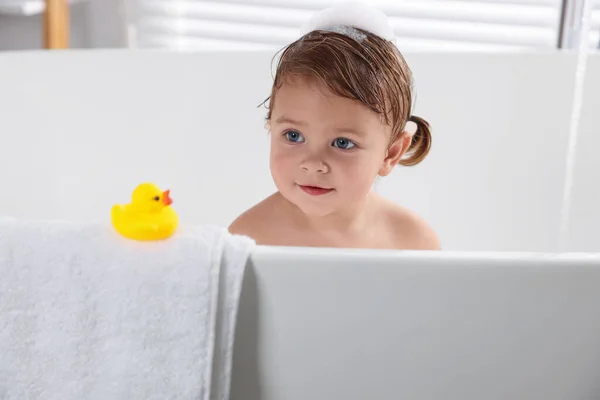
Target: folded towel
[[87, 314]]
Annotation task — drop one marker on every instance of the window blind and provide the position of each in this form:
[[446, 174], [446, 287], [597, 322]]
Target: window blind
[[464, 25]]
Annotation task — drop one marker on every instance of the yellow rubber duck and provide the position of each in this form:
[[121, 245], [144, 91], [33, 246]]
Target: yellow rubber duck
[[149, 216]]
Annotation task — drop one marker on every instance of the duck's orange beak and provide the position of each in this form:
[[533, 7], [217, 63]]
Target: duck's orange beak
[[166, 199]]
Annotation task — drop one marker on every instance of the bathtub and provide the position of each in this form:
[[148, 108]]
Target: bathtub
[[325, 324]]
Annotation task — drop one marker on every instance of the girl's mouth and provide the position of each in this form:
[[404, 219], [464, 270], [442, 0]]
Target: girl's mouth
[[315, 190]]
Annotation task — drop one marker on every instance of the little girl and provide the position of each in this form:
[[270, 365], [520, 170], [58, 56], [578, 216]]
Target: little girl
[[338, 115]]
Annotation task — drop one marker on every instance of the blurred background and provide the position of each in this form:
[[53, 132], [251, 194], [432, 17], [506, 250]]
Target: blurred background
[[422, 25]]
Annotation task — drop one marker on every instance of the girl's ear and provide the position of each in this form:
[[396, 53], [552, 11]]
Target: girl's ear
[[397, 149]]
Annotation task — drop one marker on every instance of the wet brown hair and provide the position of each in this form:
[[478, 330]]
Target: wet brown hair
[[370, 70]]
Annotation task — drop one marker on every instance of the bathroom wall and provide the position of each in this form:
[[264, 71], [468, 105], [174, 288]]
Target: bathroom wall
[[81, 129]]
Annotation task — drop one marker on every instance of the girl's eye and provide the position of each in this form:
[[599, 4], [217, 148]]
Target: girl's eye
[[343, 143], [294, 136]]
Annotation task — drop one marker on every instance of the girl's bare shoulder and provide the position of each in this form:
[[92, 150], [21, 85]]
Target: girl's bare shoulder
[[259, 221], [410, 230]]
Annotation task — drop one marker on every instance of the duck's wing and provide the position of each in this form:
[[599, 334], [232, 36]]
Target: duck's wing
[[117, 213]]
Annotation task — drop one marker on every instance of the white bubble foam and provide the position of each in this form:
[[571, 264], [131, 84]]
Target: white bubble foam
[[351, 14]]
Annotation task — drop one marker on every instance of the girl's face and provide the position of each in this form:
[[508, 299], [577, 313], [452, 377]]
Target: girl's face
[[327, 150]]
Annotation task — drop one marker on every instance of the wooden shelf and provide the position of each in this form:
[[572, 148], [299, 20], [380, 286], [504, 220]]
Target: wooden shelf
[[56, 18]]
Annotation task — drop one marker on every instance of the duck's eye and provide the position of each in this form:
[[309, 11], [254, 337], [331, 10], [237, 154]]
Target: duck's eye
[[156, 198]]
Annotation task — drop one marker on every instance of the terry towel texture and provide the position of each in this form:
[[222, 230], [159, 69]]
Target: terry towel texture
[[87, 314]]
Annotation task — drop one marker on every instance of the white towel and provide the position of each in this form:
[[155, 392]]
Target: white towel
[[87, 314]]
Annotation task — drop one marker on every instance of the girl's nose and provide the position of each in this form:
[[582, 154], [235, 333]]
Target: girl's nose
[[315, 165]]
